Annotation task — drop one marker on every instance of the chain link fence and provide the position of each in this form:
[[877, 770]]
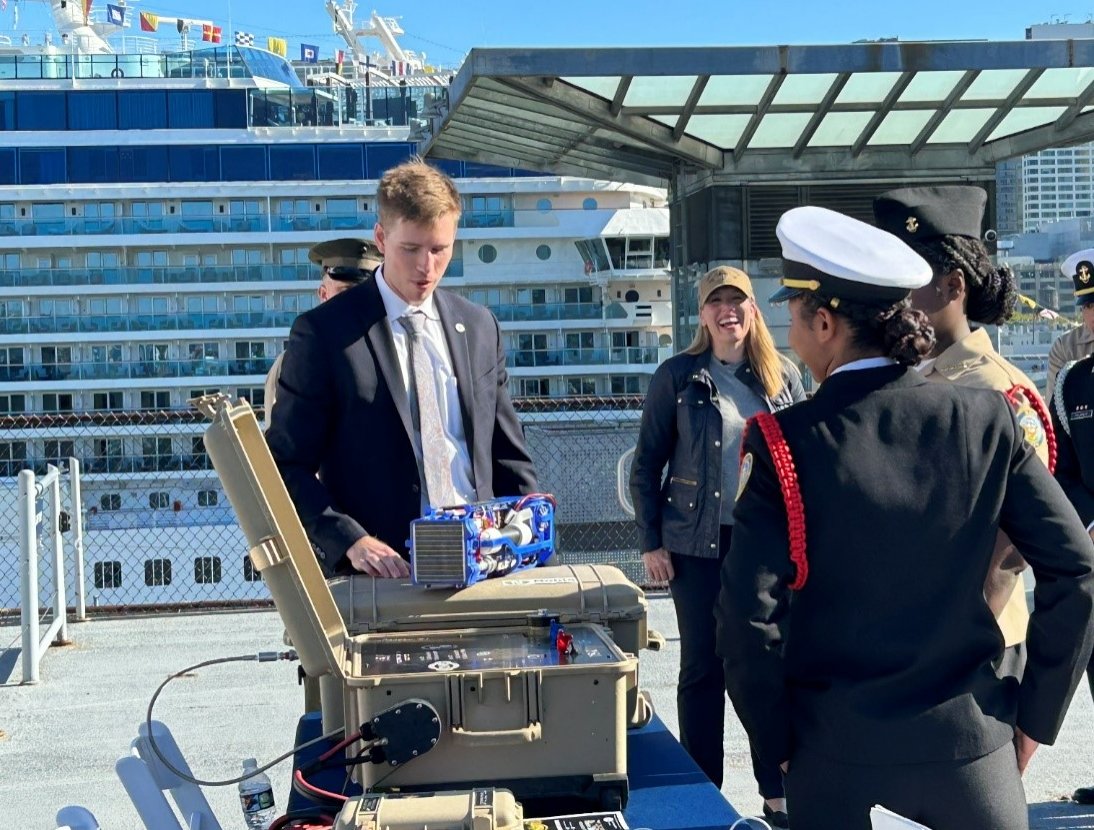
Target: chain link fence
[[158, 531]]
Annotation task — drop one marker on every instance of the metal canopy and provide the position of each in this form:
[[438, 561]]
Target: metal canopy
[[874, 108]]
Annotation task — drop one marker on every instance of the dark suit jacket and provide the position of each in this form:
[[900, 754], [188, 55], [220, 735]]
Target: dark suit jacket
[[885, 654], [342, 412], [1075, 444]]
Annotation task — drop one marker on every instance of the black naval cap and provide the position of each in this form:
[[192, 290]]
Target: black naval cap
[[1080, 267], [840, 257], [346, 260], [922, 214]]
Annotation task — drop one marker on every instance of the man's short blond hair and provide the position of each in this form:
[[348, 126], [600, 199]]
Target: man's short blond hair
[[416, 192]]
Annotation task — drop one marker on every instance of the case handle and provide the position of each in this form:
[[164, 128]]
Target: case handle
[[498, 737], [655, 640]]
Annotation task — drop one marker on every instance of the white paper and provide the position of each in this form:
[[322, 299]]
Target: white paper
[[883, 819]]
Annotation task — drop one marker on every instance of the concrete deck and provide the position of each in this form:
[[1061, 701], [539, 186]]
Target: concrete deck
[[61, 738]]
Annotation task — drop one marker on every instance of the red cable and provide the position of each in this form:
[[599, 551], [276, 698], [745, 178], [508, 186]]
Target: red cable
[[298, 776], [791, 492], [1039, 407]]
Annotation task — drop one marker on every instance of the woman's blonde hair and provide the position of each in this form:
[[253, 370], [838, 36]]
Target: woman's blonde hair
[[760, 349]]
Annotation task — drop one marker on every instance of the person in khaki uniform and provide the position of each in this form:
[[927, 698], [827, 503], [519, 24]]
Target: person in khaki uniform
[[1079, 342], [345, 263], [943, 225]]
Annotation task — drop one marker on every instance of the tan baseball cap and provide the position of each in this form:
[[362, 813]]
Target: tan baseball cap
[[721, 276]]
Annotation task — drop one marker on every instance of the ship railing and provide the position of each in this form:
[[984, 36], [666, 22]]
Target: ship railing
[[42, 525]]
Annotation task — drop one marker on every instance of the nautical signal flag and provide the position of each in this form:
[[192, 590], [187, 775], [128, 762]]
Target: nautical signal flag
[[115, 14], [400, 68], [210, 32], [182, 25], [339, 59], [309, 53], [245, 39], [149, 22], [278, 45], [87, 9]]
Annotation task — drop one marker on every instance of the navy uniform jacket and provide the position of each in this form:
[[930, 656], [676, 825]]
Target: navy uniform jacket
[[1073, 419], [885, 654], [342, 412]]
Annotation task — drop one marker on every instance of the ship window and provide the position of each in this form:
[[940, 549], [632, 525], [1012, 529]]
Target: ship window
[[157, 572], [535, 387], [584, 294], [193, 163], [107, 401], [58, 452], [631, 296], [250, 574], [231, 108], [206, 570], [13, 457], [187, 109], [142, 110], [488, 253], [142, 164], [208, 498], [156, 399], [243, 164], [580, 386], [92, 111], [380, 157], [110, 501], [543, 252], [7, 111], [7, 167], [616, 247], [57, 402], [108, 575], [543, 205], [589, 204], [93, 165], [40, 110], [256, 395], [159, 500], [292, 163], [41, 166], [625, 384], [341, 161], [13, 404]]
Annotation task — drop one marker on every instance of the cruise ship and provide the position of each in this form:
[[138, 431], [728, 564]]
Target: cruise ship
[[156, 209]]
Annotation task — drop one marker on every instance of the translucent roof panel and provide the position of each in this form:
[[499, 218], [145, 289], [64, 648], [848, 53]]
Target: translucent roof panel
[[931, 86], [1026, 118], [719, 130], [734, 90], [994, 85], [803, 89], [840, 129], [665, 91], [667, 120], [779, 130], [960, 126], [901, 127], [605, 87], [867, 87], [1062, 83]]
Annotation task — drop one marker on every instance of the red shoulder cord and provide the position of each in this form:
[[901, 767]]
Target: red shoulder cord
[[792, 497], [1042, 413]]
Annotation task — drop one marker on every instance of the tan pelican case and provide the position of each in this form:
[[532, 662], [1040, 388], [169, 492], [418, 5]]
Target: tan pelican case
[[513, 713]]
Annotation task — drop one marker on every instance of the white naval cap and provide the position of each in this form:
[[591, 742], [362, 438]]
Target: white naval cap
[[842, 258], [1080, 268]]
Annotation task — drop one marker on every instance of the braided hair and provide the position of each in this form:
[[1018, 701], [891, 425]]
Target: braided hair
[[991, 293], [897, 331]]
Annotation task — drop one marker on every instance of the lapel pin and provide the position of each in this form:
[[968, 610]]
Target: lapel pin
[[460, 328]]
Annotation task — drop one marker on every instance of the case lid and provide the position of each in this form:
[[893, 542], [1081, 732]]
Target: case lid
[[280, 549], [576, 593]]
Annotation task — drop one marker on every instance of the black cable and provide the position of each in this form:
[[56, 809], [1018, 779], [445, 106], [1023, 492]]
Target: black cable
[[261, 657]]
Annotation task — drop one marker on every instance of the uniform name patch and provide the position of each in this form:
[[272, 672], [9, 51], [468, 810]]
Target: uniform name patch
[[745, 472], [1081, 414]]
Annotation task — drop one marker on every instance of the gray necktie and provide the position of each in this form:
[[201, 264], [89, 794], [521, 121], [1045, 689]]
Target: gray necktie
[[427, 414]]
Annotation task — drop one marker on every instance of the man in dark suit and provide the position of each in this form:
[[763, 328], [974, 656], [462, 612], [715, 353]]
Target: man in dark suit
[[395, 392], [1072, 408], [858, 646]]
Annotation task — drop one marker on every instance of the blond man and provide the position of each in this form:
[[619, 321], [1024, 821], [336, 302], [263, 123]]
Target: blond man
[[393, 395]]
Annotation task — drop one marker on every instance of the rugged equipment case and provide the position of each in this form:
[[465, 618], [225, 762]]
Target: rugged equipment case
[[543, 731], [465, 810], [599, 594]]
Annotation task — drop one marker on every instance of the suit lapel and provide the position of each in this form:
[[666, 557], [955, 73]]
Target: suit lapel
[[383, 347], [455, 335]]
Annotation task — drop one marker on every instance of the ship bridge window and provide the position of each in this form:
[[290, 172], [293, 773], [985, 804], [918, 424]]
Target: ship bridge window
[[142, 110], [292, 163], [341, 161], [13, 457], [92, 111], [594, 255], [40, 110], [243, 164], [157, 572], [108, 575]]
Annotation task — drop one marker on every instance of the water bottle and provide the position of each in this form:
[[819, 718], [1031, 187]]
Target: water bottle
[[256, 796]]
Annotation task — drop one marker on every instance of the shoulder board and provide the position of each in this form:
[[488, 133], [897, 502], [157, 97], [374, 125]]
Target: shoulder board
[[1058, 395]]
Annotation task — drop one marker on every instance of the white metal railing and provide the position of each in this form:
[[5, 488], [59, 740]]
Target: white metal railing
[[31, 492]]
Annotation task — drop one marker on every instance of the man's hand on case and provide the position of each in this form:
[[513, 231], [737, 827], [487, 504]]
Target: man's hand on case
[[371, 556]]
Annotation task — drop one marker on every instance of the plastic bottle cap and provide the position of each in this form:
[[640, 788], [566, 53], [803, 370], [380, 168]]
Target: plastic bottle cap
[[250, 764]]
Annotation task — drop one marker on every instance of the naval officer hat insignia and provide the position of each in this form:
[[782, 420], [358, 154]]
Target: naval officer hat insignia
[[346, 260], [920, 214], [839, 257], [1080, 267]]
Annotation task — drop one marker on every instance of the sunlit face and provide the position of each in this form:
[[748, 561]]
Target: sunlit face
[[1088, 316], [416, 255], [727, 315], [803, 339], [329, 287], [928, 299]]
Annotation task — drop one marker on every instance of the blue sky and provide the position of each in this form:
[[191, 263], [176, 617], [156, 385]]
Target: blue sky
[[446, 31]]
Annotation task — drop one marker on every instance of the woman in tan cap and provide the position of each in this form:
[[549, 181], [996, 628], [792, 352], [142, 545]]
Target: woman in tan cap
[[694, 416]]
